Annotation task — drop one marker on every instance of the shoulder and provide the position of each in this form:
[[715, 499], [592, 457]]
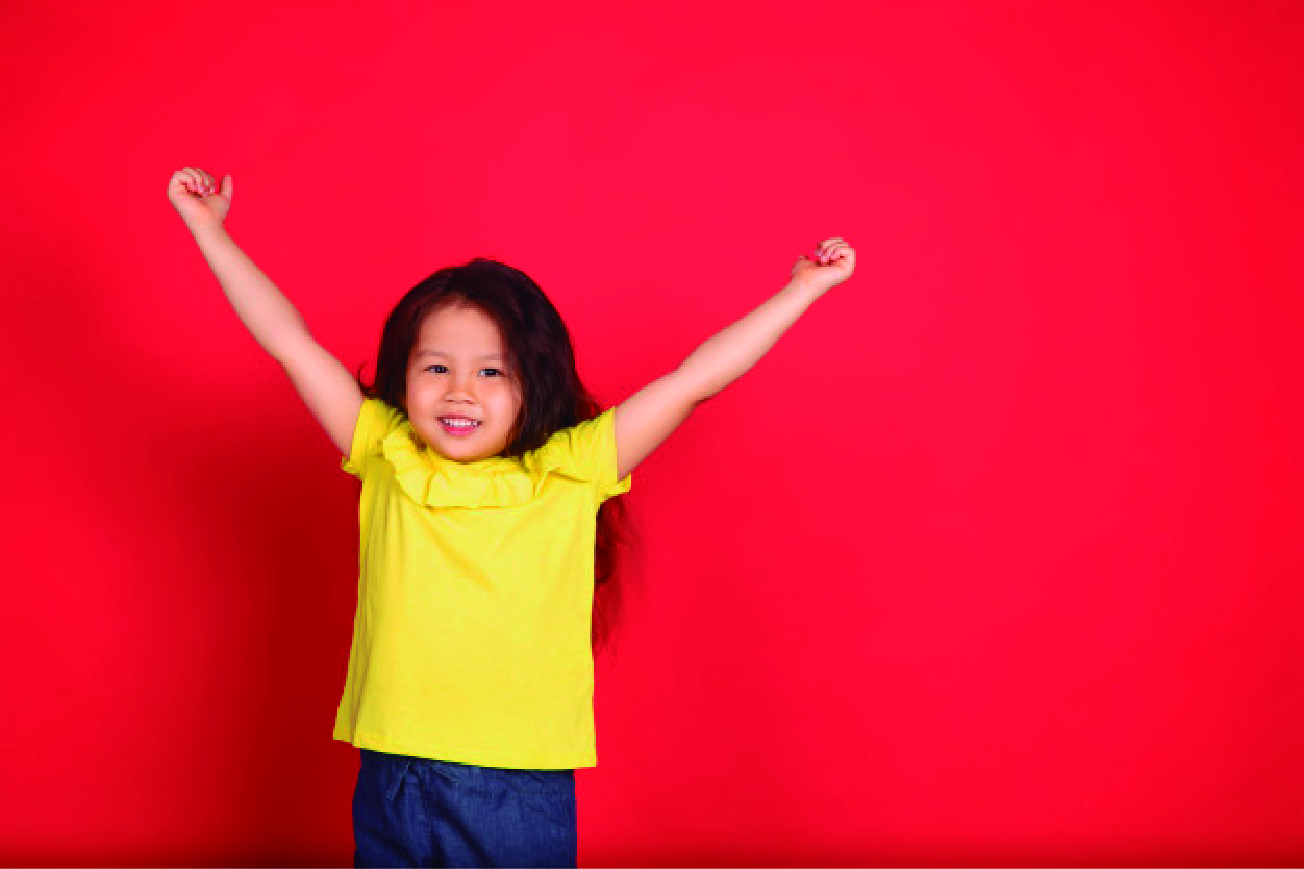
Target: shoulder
[[376, 421], [583, 436], [585, 451], [377, 411]]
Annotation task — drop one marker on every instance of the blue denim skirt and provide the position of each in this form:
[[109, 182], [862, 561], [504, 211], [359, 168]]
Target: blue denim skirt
[[415, 811]]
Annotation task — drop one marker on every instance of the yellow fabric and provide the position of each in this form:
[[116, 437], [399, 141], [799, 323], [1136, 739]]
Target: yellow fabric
[[475, 592]]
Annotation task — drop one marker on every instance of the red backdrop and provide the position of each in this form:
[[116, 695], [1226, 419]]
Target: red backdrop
[[994, 559]]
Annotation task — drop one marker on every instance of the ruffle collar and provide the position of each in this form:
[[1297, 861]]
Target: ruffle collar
[[436, 481]]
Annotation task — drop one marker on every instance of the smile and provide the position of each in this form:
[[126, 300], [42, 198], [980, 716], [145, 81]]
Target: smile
[[459, 427]]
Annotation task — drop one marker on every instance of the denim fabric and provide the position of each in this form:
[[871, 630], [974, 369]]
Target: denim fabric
[[414, 811]]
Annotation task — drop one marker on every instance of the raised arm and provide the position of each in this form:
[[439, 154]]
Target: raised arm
[[646, 418], [326, 386]]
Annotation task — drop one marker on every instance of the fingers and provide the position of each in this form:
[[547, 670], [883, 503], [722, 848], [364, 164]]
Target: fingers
[[830, 249], [195, 180], [185, 180]]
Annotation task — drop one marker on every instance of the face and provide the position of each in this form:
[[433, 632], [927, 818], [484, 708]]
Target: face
[[458, 368]]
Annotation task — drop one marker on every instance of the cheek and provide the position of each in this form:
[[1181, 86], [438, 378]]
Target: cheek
[[510, 407], [507, 407], [422, 389], [508, 396]]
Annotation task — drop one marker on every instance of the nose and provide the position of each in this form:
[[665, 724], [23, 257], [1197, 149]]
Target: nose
[[461, 386]]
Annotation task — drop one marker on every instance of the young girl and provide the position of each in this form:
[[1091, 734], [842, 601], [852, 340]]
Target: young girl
[[485, 468]]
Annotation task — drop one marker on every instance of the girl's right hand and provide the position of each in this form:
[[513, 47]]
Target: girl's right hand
[[195, 195]]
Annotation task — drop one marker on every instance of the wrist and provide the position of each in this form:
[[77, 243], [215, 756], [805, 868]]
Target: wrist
[[207, 228], [807, 289]]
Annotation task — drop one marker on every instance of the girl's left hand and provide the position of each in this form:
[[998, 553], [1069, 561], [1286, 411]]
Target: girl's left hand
[[831, 263]]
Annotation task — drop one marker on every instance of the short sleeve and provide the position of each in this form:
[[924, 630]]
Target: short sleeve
[[589, 449], [375, 420]]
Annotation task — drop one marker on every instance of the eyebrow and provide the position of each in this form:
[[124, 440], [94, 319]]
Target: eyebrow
[[437, 353]]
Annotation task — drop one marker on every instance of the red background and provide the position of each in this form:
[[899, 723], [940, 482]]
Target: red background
[[994, 559]]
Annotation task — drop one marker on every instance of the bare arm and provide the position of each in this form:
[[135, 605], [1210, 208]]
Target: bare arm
[[326, 386], [731, 352], [649, 416], [268, 315]]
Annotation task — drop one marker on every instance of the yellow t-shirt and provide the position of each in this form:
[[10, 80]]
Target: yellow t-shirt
[[475, 593]]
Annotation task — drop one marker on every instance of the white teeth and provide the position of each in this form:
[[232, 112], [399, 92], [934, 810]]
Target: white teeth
[[460, 423]]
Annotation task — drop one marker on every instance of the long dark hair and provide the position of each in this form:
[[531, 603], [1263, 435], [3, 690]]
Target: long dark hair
[[540, 353]]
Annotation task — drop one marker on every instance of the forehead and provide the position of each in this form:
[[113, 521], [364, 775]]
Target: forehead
[[459, 330]]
